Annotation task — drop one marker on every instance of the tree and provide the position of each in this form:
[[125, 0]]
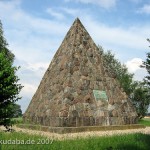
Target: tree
[[118, 70], [9, 87], [145, 91], [3, 45], [17, 112], [141, 99], [146, 65]]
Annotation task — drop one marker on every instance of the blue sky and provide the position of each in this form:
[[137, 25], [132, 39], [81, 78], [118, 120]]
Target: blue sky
[[35, 29]]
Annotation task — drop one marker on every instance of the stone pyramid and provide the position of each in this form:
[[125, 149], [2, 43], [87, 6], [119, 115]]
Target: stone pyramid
[[77, 90]]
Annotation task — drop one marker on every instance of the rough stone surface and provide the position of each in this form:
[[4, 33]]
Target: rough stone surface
[[65, 95]]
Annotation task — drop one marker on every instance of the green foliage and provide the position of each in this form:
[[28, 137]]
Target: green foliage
[[146, 81], [17, 112], [118, 71], [136, 141], [3, 45], [146, 65], [141, 99], [18, 120], [9, 89]]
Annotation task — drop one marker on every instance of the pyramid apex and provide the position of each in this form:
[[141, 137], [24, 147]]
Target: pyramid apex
[[77, 21]]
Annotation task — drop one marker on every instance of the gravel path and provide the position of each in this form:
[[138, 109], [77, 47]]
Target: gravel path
[[56, 136]]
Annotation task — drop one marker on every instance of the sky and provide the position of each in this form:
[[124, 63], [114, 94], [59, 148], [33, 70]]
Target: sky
[[34, 29]]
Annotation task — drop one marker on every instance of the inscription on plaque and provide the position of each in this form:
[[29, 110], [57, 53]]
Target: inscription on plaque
[[100, 95]]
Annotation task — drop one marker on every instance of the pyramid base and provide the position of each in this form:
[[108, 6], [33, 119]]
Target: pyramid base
[[63, 130], [80, 121]]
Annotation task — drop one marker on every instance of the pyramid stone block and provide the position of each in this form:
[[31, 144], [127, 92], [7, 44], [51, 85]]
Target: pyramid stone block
[[77, 90]]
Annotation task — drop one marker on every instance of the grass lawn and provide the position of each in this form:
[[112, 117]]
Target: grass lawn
[[145, 121], [24, 141], [30, 142]]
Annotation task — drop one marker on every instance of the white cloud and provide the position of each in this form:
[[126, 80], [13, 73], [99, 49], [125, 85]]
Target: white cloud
[[140, 74], [102, 3], [28, 89], [27, 92], [70, 11], [31, 73], [134, 64], [38, 66], [55, 14], [145, 9]]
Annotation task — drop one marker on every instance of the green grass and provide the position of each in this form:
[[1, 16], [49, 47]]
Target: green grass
[[145, 121], [120, 142]]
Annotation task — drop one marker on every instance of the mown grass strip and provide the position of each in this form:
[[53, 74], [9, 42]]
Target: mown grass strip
[[136, 141]]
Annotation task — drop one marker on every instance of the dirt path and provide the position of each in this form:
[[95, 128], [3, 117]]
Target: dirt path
[[81, 134]]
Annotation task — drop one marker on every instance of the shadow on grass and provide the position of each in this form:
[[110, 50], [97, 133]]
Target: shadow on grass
[[142, 143]]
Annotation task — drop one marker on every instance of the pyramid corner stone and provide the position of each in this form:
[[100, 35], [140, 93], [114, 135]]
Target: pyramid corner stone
[[77, 90]]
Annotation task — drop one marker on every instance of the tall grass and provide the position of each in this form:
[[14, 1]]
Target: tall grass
[[117, 142]]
